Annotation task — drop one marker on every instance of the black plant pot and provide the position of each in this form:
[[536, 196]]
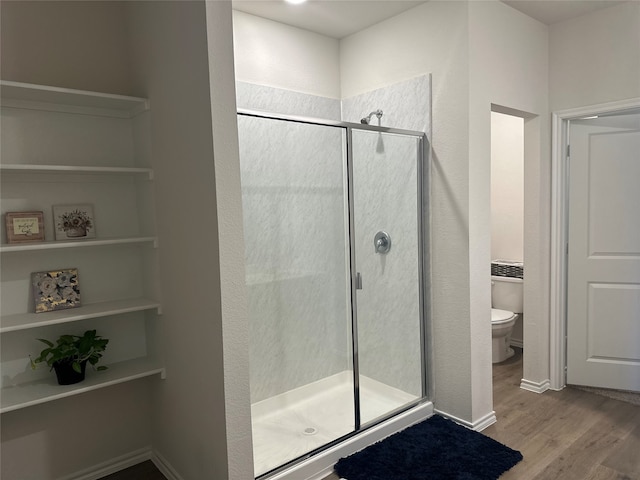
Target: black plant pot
[[67, 375]]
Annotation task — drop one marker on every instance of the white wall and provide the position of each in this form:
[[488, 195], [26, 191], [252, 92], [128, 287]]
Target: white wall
[[507, 187], [70, 44], [433, 38], [277, 55], [478, 53], [594, 58], [230, 243], [509, 68], [194, 149]]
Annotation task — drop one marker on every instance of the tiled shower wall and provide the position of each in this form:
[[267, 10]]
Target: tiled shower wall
[[385, 196], [295, 235]]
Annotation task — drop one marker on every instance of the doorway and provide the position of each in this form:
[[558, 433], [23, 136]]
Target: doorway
[[507, 196], [584, 249]]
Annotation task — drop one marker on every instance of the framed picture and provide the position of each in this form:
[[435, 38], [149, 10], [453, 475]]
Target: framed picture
[[24, 227], [55, 290], [74, 222]]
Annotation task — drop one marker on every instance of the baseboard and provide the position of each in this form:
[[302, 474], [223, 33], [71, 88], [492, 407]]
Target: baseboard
[[478, 425], [165, 467], [112, 466], [516, 343], [125, 461], [535, 387]]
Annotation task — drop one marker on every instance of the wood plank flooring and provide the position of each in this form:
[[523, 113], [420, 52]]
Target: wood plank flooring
[[566, 435]]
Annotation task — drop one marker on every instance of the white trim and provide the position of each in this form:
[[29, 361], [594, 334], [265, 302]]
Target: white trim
[[559, 220], [122, 462], [111, 466], [478, 425], [557, 281], [165, 467], [535, 387]]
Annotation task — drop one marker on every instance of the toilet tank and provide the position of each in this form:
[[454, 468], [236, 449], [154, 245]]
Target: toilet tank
[[507, 293]]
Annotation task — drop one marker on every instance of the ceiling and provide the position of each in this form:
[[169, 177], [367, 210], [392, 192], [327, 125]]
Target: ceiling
[[554, 11], [340, 18]]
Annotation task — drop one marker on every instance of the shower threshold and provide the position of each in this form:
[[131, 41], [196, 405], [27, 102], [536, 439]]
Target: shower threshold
[[296, 422]]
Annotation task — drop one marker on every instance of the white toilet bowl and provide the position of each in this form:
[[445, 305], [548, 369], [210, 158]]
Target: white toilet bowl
[[502, 322], [506, 305]]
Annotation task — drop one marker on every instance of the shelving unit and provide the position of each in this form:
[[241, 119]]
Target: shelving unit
[[36, 392], [75, 169], [77, 244], [60, 147], [24, 321]]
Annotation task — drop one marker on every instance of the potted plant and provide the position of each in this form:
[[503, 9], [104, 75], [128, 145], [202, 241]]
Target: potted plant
[[69, 356]]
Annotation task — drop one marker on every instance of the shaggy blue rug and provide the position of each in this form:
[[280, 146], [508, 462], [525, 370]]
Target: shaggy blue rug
[[436, 449]]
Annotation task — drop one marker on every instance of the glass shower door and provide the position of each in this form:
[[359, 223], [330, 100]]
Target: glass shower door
[[386, 197], [295, 217]]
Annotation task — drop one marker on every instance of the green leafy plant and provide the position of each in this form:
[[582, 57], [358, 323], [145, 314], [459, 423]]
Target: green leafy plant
[[73, 349]]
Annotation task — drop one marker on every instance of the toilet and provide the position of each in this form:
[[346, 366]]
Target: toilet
[[506, 305]]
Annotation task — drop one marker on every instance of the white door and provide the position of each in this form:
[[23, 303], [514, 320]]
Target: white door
[[603, 291]]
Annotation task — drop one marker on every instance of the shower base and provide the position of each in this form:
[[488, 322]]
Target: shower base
[[296, 422]]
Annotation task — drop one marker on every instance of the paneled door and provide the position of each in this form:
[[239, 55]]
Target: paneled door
[[603, 291]]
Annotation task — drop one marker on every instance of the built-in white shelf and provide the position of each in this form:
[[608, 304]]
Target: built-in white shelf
[[46, 390], [82, 157], [77, 169], [29, 247], [24, 321], [56, 99]]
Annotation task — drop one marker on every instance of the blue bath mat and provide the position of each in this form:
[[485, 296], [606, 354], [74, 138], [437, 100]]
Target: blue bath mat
[[436, 449]]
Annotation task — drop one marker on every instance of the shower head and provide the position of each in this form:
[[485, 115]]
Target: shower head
[[367, 119]]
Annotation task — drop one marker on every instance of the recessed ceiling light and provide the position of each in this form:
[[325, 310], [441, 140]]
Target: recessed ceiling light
[[295, 2]]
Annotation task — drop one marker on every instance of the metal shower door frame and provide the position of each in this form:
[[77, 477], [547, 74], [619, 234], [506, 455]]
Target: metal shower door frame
[[423, 174]]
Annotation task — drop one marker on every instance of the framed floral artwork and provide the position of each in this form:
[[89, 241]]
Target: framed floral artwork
[[55, 290], [74, 222], [24, 227]]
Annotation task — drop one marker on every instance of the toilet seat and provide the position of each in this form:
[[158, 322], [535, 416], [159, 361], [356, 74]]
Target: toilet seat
[[499, 317]]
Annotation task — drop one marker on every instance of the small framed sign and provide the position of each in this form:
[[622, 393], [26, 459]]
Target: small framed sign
[[24, 227]]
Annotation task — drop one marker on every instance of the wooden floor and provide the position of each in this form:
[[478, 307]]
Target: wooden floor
[[566, 435]]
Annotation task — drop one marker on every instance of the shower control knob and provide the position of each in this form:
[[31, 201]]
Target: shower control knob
[[382, 242]]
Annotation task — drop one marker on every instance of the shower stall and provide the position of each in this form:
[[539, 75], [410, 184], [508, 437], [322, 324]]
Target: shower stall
[[336, 228]]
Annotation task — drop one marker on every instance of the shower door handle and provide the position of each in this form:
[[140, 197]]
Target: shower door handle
[[358, 281], [382, 242]]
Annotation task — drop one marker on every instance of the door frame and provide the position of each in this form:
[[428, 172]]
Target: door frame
[[559, 225]]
